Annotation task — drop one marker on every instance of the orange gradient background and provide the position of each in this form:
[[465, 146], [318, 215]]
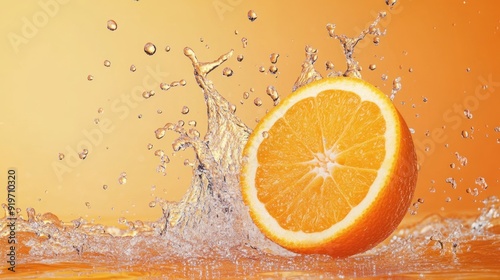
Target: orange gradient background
[[47, 105]]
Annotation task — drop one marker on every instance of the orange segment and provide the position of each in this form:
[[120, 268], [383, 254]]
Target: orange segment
[[332, 169]]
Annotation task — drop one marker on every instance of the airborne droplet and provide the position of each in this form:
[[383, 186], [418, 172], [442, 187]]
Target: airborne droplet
[[107, 63], [149, 48], [61, 156], [274, 58], [257, 102], [112, 25], [160, 132], [244, 41], [227, 72], [90, 77], [185, 110], [132, 68], [252, 15], [239, 58]]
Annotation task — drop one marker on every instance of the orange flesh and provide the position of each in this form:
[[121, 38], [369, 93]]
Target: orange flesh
[[325, 161]]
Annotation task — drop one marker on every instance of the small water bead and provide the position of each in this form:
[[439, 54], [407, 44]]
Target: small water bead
[[239, 58], [273, 69], [265, 134], [152, 204], [452, 165], [149, 48], [232, 108], [252, 15], [111, 24], [448, 199], [164, 86], [461, 159], [150, 146], [228, 72], [182, 82], [274, 58], [465, 134], [100, 110], [97, 120], [146, 94], [481, 182], [104, 187], [192, 123], [61, 156], [246, 95], [467, 114], [123, 178], [329, 65], [185, 110], [424, 99], [258, 102], [391, 3], [159, 111], [410, 70], [244, 42], [372, 67], [167, 48], [262, 69], [132, 68], [412, 131], [180, 123], [497, 129], [452, 182], [273, 93], [384, 77], [468, 70], [107, 63], [90, 77], [376, 40], [87, 204], [160, 132]]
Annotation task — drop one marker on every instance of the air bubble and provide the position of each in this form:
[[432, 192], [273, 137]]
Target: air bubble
[[252, 16], [111, 24]]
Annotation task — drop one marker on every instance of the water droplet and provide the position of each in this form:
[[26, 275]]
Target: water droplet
[[160, 132], [465, 134], [452, 182], [239, 58], [273, 93], [123, 178], [412, 131], [410, 70], [262, 69], [448, 199], [146, 94], [452, 165], [164, 86], [232, 108], [376, 40], [182, 82], [391, 3], [244, 41], [384, 77], [228, 72], [252, 16], [104, 187], [432, 190], [372, 67], [273, 69], [265, 134], [82, 155], [87, 204], [257, 102], [481, 182], [112, 25], [467, 114], [424, 99], [185, 110], [420, 200], [497, 129], [152, 204], [192, 123], [329, 65], [132, 68], [149, 48], [159, 111], [274, 58], [246, 95], [107, 63], [90, 77], [100, 110], [167, 48], [468, 70]]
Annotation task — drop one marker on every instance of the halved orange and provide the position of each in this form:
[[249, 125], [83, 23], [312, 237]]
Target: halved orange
[[330, 170]]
